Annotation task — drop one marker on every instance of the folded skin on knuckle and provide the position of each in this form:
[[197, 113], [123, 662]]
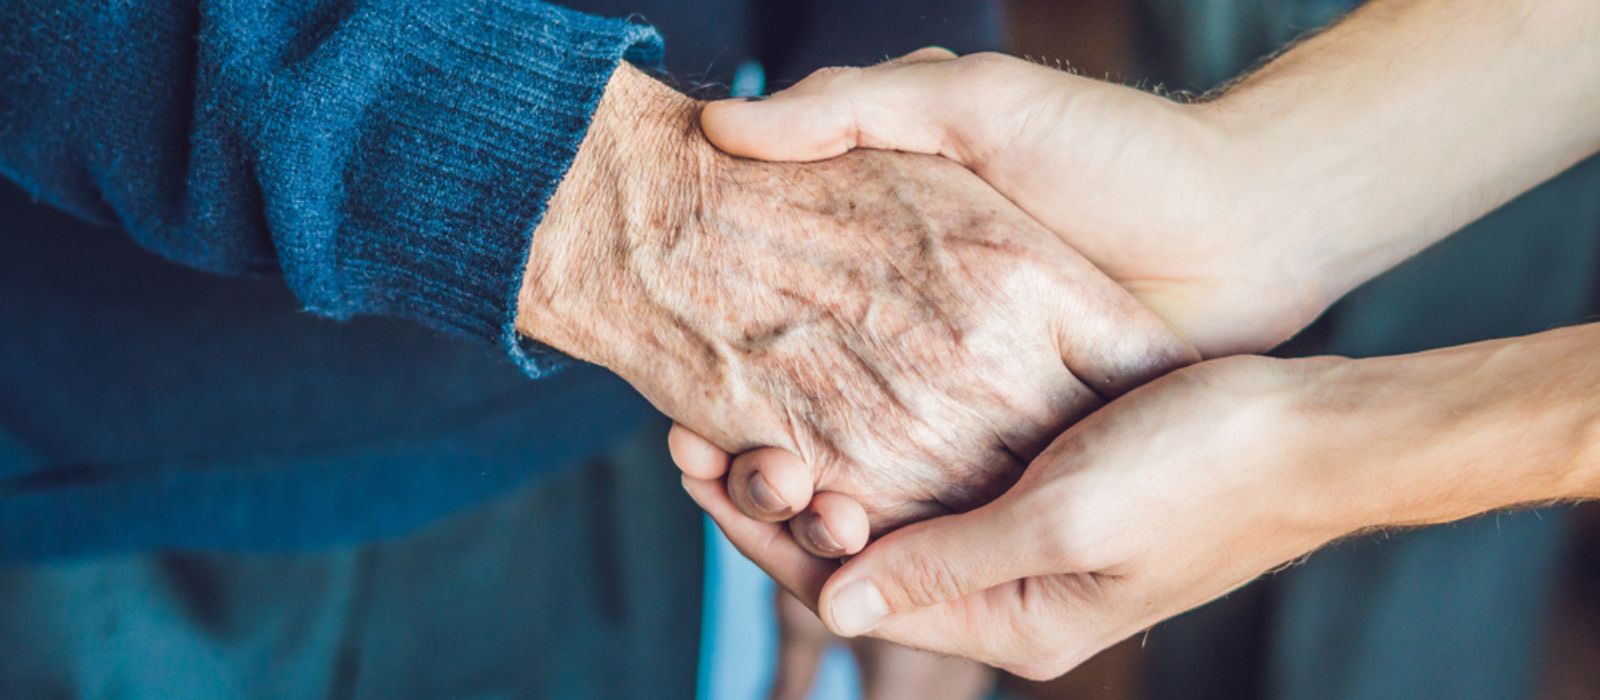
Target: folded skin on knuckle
[[925, 581], [1059, 532]]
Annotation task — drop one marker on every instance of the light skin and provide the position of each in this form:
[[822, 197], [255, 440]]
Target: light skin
[[1238, 219], [886, 671], [891, 319]]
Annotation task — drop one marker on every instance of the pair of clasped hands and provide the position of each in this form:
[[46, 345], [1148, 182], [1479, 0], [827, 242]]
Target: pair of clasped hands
[[960, 348], [1036, 450]]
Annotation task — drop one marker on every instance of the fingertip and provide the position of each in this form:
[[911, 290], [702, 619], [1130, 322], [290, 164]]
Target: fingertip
[[853, 608], [696, 456], [770, 484], [785, 127], [834, 525], [724, 125], [698, 489]]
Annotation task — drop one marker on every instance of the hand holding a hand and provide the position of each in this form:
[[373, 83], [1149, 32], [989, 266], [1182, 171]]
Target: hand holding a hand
[[888, 318]]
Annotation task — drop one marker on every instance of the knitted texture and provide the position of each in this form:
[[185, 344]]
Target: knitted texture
[[388, 157]]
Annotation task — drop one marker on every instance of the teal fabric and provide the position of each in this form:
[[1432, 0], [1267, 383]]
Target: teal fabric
[[386, 157], [380, 158], [144, 405], [581, 585]]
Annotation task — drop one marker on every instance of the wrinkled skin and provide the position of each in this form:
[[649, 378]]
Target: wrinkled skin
[[889, 318]]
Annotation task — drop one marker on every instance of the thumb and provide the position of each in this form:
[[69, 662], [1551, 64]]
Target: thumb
[[903, 105], [936, 561]]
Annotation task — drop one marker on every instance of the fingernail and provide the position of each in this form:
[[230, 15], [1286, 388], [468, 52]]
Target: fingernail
[[820, 536], [858, 607], [766, 498]]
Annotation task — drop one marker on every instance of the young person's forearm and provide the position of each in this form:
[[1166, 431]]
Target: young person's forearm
[[1442, 435], [1411, 118]]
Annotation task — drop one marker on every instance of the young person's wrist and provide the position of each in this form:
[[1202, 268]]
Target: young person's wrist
[[1438, 436], [1264, 246]]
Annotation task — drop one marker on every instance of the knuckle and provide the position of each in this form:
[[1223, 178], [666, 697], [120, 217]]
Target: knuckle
[[825, 77], [1079, 530], [924, 582], [985, 60], [1067, 535]]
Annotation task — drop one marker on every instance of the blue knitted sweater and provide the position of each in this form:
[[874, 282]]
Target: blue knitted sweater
[[386, 158]]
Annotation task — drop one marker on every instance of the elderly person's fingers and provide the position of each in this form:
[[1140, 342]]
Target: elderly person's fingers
[[770, 484], [834, 525], [696, 456]]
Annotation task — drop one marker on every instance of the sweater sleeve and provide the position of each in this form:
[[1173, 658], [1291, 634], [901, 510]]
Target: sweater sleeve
[[387, 157]]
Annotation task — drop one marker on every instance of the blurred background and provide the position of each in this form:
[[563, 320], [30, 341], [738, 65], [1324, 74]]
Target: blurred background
[[439, 546]]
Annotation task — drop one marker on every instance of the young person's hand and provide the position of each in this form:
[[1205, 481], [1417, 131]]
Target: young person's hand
[[1238, 219], [1151, 190], [1200, 481]]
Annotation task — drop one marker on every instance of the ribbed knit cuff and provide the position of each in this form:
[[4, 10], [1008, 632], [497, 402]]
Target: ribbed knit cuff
[[489, 107]]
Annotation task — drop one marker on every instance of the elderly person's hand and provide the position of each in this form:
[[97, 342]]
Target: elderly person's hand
[[1159, 194], [1200, 481], [888, 317]]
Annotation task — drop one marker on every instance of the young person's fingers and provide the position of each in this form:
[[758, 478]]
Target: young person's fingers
[[769, 545], [935, 562], [1000, 626], [899, 105]]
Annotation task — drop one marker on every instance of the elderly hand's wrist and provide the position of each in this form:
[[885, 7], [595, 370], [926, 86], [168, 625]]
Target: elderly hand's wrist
[[635, 179]]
